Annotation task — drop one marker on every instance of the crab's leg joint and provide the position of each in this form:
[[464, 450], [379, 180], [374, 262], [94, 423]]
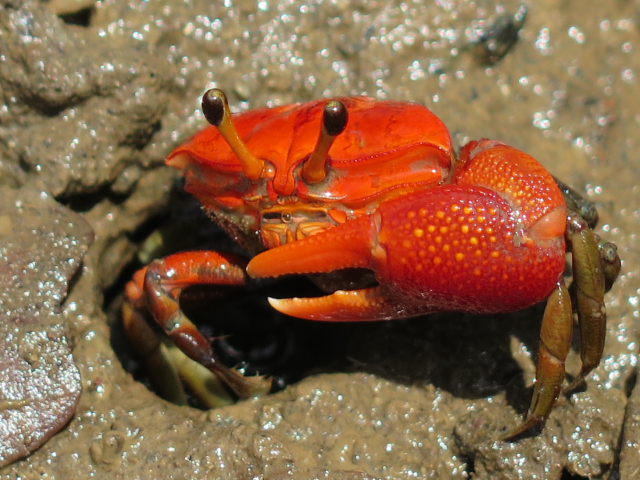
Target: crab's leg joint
[[610, 262], [334, 121], [215, 108], [576, 203]]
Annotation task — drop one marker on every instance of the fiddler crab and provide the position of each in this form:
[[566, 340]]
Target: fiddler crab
[[357, 183]]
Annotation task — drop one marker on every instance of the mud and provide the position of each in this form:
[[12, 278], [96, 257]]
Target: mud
[[92, 101], [42, 247]]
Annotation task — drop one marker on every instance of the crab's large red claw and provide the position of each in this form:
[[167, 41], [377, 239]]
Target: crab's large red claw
[[452, 247]]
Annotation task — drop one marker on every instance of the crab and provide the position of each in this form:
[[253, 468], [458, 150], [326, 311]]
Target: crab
[[332, 187]]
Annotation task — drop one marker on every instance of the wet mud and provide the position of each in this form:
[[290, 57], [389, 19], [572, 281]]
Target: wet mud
[[92, 98]]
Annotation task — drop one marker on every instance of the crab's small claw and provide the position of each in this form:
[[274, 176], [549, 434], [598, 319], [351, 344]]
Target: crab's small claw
[[347, 246], [344, 306], [352, 245]]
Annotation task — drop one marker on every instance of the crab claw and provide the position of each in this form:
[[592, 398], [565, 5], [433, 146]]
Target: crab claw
[[346, 246], [351, 245]]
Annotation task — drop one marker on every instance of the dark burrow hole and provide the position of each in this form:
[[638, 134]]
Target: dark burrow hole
[[567, 475], [81, 18], [630, 384], [247, 331]]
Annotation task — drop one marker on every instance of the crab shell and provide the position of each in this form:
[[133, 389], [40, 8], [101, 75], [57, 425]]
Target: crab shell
[[483, 234]]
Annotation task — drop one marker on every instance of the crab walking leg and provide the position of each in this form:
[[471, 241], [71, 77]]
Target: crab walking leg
[[168, 366], [154, 354], [157, 289], [589, 281], [587, 210], [362, 305], [555, 342]]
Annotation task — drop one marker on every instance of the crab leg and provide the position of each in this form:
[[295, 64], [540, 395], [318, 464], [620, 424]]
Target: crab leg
[[153, 353], [587, 210], [610, 261], [555, 343], [589, 281], [157, 289], [577, 203], [596, 266]]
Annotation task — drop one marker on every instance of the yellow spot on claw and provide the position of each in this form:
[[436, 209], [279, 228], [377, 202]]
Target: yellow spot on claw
[[440, 214], [473, 241], [466, 210], [406, 243], [431, 228], [459, 256], [411, 214], [444, 229], [495, 254], [418, 232], [437, 260], [455, 208], [464, 229]]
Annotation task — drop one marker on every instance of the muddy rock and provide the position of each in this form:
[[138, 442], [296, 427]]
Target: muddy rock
[[42, 248], [111, 106], [91, 101]]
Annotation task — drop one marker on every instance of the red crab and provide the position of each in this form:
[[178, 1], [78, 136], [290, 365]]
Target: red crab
[[329, 185]]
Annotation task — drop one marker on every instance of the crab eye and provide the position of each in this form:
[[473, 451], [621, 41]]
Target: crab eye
[[215, 109], [286, 217], [334, 121]]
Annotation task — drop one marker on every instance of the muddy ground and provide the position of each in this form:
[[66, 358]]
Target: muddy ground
[[93, 97]]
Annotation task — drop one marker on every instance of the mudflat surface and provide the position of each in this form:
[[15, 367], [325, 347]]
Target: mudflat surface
[[93, 97]]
